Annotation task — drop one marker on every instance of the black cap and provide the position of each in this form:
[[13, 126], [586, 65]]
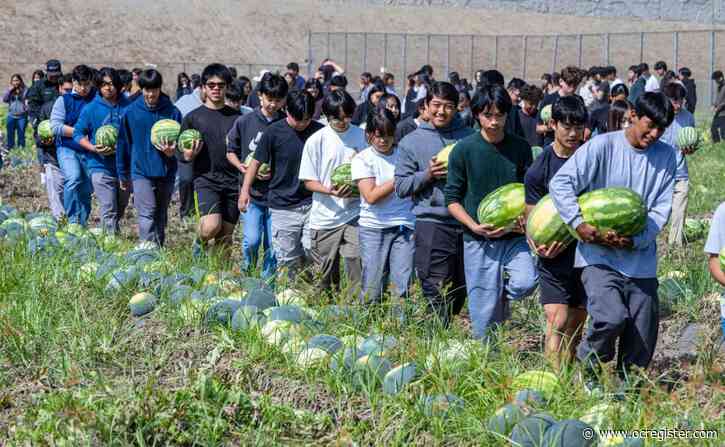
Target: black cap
[[53, 67]]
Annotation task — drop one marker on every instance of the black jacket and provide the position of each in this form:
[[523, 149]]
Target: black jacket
[[39, 94], [691, 96]]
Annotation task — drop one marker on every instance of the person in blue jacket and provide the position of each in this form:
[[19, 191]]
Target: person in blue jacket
[[100, 161], [152, 169], [66, 111]]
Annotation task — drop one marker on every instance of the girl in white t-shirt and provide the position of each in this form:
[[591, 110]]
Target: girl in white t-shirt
[[386, 221]]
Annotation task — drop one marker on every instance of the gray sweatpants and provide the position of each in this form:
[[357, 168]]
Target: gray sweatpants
[[151, 198], [326, 249], [679, 211], [112, 200], [54, 186], [289, 234], [619, 307]]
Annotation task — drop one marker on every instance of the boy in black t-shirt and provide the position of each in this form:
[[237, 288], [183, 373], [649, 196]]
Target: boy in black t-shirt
[[569, 82], [561, 290], [215, 179]]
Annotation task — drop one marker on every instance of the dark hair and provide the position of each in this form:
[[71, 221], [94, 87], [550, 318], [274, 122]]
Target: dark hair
[[243, 81], [82, 73], [532, 94], [66, 77], [427, 69], [216, 70], [336, 103], [570, 110], [611, 70], [338, 81], [375, 88], [633, 68], [383, 104], [617, 112], [366, 75], [491, 95], [717, 74], [465, 94], [125, 76], [675, 91], [619, 89], [293, 66], [150, 79], [195, 80], [380, 122], [20, 78], [555, 78], [492, 77], [515, 84], [454, 78], [112, 74], [38, 72], [388, 76], [233, 72], [572, 75], [136, 71], [660, 65], [312, 82], [686, 72], [300, 104], [442, 90], [234, 91], [180, 77], [546, 77], [274, 86], [656, 107]]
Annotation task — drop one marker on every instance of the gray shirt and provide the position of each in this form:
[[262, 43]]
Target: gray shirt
[[716, 237], [608, 160], [683, 119]]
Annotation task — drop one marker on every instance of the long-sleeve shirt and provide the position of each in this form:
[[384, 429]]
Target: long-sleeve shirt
[[683, 119], [720, 100], [609, 160]]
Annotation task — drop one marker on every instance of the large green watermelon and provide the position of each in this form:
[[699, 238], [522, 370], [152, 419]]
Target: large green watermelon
[[107, 136], [187, 139], [688, 137], [444, 153], [502, 207], [546, 114], [263, 168], [618, 209], [45, 131], [544, 225], [342, 175], [165, 129]]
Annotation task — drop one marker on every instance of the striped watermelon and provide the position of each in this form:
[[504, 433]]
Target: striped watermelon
[[688, 137], [342, 175], [544, 225], [44, 130], [546, 114], [263, 168], [544, 381], [444, 153], [187, 139], [618, 209], [503, 206], [107, 136], [165, 129]]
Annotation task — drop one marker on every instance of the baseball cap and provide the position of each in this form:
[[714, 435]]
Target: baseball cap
[[53, 67]]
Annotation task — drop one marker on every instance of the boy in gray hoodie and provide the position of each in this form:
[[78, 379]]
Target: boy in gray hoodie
[[438, 236]]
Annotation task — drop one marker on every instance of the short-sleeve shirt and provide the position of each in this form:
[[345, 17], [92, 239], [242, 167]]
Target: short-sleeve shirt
[[211, 163], [716, 237], [391, 211]]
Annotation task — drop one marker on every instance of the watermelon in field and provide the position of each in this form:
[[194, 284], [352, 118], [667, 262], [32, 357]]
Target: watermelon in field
[[570, 433], [544, 225], [444, 153], [187, 139], [310, 357], [399, 377], [43, 224], [378, 344], [247, 317], [107, 136], [529, 398], [546, 114], [530, 431], [329, 343], [618, 209], [505, 418], [502, 207], [45, 131], [342, 175], [450, 355], [141, 304], [369, 371], [165, 129], [544, 381], [688, 137], [263, 168]]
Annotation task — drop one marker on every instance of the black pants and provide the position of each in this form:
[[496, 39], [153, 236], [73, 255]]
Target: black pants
[[619, 308], [718, 129], [186, 189], [439, 266]]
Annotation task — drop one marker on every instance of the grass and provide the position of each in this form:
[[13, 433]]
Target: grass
[[77, 369]]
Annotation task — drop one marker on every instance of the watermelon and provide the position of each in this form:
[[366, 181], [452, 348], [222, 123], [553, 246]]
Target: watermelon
[[618, 209], [444, 153], [326, 342], [544, 381], [293, 346], [600, 416], [546, 114], [544, 225], [187, 139], [286, 313], [247, 317], [262, 298], [442, 405], [43, 224], [107, 136], [141, 304], [502, 207], [397, 378], [165, 129], [529, 397], [536, 151], [530, 431], [377, 344], [45, 131], [222, 312], [263, 168], [370, 370], [310, 357], [505, 418], [342, 175], [291, 296], [570, 433], [688, 137], [451, 355], [277, 332], [345, 360]]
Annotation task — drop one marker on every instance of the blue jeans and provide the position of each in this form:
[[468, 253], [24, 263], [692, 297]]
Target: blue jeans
[[496, 271], [257, 230], [16, 125], [387, 256], [76, 186]]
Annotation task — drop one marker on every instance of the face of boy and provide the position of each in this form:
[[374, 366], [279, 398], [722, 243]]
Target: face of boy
[[643, 131], [676, 105], [528, 107], [440, 111], [83, 88], [108, 90], [298, 125], [492, 121], [566, 89], [569, 136], [151, 96], [514, 94], [215, 89], [340, 124], [270, 105]]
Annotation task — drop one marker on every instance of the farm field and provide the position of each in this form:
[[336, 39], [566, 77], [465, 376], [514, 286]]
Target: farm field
[[76, 368]]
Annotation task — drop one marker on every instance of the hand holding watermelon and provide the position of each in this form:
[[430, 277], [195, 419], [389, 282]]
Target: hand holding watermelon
[[167, 146], [543, 251], [437, 169], [488, 231], [589, 233]]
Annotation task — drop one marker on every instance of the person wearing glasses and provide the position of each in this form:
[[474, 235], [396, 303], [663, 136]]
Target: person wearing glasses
[[215, 179], [100, 161], [335, 211], [242, 140]]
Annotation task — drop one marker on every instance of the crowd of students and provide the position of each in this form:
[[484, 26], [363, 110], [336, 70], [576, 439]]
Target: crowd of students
[[408, 214]]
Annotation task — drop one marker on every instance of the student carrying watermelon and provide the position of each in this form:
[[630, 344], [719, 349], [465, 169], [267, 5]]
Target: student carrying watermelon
[[620, 270], [715, 249]]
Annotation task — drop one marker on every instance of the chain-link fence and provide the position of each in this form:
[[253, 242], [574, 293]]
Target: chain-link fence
[[523, 56]]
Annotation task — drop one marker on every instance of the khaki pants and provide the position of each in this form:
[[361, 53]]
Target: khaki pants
[[326, 248], [679, 211]]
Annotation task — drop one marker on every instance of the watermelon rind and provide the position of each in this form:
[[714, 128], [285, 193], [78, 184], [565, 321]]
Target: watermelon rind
[[544, 225], [165, 129], [502, 207], [619, 209]]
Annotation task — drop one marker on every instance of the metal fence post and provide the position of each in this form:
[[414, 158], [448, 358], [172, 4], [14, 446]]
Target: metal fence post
[[473, 70], [675, 47], [328, 46], [309, 54], [712, 65], [641, 47], [365, 52], [524, 45], [346, 50], [405, 60], [448, 53], [495, 53], [555, 61], [385, 51], [427, 51], [579, 56], [606, 49]]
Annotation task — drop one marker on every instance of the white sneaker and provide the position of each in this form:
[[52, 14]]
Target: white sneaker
[[42, 179]]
